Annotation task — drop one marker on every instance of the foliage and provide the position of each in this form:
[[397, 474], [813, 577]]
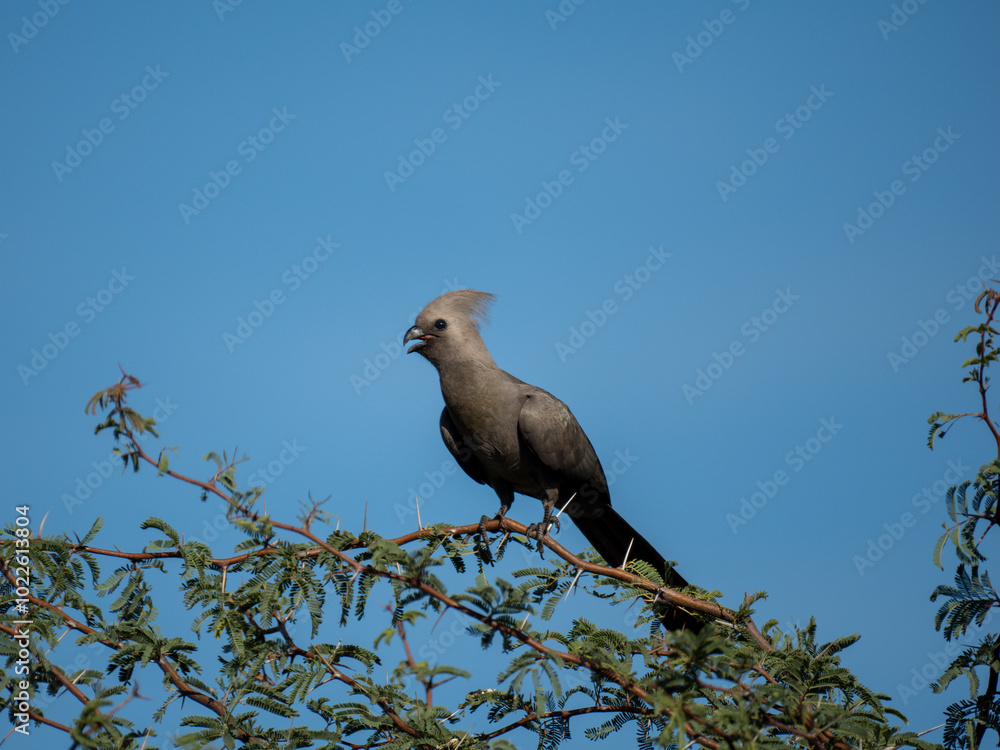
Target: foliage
[[272, 682], [973, 512]]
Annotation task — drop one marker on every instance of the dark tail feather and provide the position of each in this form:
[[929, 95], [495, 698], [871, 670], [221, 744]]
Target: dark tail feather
[[610, 535]]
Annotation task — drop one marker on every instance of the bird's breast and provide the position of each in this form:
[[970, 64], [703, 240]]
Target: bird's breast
[[490, 432]]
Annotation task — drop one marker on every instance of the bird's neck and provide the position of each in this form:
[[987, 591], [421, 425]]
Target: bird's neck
[[469, 375], [470, 359], [472, 389]]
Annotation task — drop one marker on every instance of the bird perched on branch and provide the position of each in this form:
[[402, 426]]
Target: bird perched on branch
[[517, 438]]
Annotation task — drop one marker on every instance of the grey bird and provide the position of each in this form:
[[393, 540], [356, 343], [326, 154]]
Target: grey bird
[[518, 438]]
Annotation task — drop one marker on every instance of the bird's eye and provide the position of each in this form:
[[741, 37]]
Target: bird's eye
[[440, 325]]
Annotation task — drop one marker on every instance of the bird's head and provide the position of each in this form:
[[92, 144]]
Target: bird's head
[[447, 329]]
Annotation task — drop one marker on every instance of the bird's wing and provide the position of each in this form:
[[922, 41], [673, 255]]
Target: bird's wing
[[455, 444], [548, 429]]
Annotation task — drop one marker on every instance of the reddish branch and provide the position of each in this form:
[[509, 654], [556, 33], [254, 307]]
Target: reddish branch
[[168, 669], [117, 394], [982, 380]]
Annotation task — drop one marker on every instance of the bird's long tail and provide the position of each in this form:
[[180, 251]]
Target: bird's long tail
[[611, 535]]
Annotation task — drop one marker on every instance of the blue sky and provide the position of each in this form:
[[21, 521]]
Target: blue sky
[[736, 239]]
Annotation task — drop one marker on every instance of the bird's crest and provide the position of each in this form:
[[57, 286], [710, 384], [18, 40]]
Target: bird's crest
[[468, 302]]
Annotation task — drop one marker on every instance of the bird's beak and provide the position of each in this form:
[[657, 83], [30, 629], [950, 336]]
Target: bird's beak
[[415, 332]]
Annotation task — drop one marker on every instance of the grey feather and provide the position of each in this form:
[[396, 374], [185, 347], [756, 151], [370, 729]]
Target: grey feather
[[517, 438]]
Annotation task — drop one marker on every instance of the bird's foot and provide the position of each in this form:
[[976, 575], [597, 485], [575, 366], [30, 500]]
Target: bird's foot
[[539, 530], [482, 526], [484, 537], [486, 519]]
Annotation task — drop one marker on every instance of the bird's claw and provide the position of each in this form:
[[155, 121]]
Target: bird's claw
[[482, 526], [532, 531], [484, 537], [539, 531]]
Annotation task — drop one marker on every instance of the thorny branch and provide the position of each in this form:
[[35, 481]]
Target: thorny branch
[[130, 423]]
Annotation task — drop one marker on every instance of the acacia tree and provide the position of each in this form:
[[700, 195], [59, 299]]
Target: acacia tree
[[973, 512], [272, 683]]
